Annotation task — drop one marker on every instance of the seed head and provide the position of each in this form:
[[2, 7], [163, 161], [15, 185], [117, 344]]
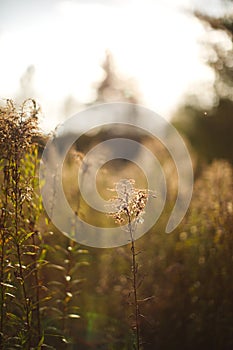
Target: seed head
[[129, 204]]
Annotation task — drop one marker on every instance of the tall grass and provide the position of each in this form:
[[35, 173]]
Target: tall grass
[[189, 272]]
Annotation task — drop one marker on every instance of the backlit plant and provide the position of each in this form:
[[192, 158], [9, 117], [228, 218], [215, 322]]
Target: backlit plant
[[128, 209]]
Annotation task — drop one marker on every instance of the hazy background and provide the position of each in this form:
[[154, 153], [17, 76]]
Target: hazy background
[[54, 51]]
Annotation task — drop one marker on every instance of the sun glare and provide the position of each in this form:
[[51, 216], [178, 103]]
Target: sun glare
[[157, 45]]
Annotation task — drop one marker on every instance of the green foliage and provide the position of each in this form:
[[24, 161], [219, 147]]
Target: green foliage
[[210, 133], [61, 314], [33, 308], [191, 271], [20, 238], [188, 273], [44, 302]]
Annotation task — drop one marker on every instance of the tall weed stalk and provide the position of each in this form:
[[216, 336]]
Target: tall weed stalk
[[19, 214], [128, 209]]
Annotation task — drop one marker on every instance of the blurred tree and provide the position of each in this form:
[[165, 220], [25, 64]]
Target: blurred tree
[[113, 87], [211, 132], [220, 57], [26, 89]]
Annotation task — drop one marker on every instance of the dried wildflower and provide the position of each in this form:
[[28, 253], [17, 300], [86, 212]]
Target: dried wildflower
[[18, 130], [18, 126], [128, 207]]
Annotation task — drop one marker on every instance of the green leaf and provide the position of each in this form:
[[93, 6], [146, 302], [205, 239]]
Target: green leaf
[[46, 221], [24, 238], [74, 308], [77, 265], [61, 249], [56, 284], [57, 267], [53, 331], [41, 341], [53, 309], [42, 300], [10, 295], [82, 251], [77, 281], [34, 246], [73, 316], [29, 253], [14, 318], [8, 285]]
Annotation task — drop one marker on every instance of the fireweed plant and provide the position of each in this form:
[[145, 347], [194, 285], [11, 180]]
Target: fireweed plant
[[128, 208], [20, 322], [36, 311]]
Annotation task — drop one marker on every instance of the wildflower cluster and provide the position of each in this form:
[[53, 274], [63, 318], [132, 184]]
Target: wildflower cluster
[[129, 205], [17, 128]]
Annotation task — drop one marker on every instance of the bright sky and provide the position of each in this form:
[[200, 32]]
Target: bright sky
[[155, 42]]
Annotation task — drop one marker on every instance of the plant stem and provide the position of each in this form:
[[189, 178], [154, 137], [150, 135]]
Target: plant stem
[[21, 275], [35, 258], [37, 282], [3, 241], [2, 314], [134, 283], [26, 299]]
